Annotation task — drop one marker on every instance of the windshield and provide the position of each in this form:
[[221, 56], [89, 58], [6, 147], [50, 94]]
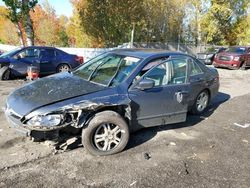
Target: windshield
[[240, 50], [9, 53], [107, 69]]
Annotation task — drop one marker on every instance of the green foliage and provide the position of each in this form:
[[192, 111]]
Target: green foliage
[[19, 13], [110, 21], [225, 21], [7, 28]]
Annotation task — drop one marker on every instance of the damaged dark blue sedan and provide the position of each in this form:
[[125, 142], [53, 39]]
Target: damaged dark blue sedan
[[112, 95]]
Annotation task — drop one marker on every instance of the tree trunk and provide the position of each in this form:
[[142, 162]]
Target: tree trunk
[[29, 31], [28, 25], [20, 33]]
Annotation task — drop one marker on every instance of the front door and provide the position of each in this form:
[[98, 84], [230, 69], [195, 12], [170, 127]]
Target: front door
[[24, 59], [166, 102]]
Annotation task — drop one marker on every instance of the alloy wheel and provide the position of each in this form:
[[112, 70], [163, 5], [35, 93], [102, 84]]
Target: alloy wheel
[[202, 101], [63, 68], [6, 75], [107, 136]]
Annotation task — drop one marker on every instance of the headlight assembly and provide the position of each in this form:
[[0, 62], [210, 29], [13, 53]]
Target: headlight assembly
[[46, 121], [237, 58]]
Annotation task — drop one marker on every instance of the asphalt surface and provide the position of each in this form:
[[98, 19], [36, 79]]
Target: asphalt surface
[[211, 150]]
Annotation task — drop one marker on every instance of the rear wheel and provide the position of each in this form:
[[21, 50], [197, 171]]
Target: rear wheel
[[5, 73], [107, 133], [63, 68], [201, 102]]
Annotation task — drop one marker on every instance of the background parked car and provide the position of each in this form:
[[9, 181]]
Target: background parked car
[[234, 58], [208, 56], [49, 60]]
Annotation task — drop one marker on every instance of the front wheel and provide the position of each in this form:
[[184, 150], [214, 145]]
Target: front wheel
[[5, 73], [201, 102], [107, 133]]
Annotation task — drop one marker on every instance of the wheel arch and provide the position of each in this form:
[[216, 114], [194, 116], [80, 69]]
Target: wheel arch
[[122, 110]]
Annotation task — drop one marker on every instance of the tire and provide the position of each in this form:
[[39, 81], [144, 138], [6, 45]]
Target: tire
[[63, 68], [243, 66], [201, 103], [5, 73], [98, 137]]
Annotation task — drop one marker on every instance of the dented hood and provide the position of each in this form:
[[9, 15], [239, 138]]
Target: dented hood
[[49, 90]]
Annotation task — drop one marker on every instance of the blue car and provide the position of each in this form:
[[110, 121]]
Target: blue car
[[49, 60], [113, 95]]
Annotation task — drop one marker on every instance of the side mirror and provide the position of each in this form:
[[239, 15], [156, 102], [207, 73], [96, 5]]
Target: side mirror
[[145, 84]]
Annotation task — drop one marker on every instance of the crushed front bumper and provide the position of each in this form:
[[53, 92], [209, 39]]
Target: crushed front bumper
[[23, 130], [16, 124]]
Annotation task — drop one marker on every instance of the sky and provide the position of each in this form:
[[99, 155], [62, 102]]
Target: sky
[[62, 7]]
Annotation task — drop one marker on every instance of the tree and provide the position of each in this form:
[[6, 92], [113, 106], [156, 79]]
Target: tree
[[108, 22], [19, 14], [195, 11], [75, 31], [49, 29], [7, 36], [224, 19]]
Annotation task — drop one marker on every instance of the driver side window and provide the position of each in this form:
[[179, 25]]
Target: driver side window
[[27, 53], [168, 73], [158, 74]]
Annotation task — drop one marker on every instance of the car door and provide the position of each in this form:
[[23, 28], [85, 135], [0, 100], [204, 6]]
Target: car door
[[166, 102], [47, 61], [23, 59], [197, 79]]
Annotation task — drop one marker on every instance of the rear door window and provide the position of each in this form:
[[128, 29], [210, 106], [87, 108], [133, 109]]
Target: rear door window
[[194, 68], [47, 54]]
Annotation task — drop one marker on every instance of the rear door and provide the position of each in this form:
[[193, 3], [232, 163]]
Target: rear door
[[166, 102], [47, 61], [197, 79]]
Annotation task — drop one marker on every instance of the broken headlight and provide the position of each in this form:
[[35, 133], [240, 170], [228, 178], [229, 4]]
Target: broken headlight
[[46, 121]]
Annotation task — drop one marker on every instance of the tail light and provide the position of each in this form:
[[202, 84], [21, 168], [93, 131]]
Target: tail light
[[79, 59]]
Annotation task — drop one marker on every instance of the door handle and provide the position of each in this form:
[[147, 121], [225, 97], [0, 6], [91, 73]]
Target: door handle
[[199, 80], [196, 79], [179, 96], [182, 92], [44, 61]]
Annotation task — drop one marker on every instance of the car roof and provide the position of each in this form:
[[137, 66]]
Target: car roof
[[41, 47], [144, 53], [239, 46]]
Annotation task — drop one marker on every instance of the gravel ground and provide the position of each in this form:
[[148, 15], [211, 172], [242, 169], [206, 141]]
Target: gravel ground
[[206, 151]]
